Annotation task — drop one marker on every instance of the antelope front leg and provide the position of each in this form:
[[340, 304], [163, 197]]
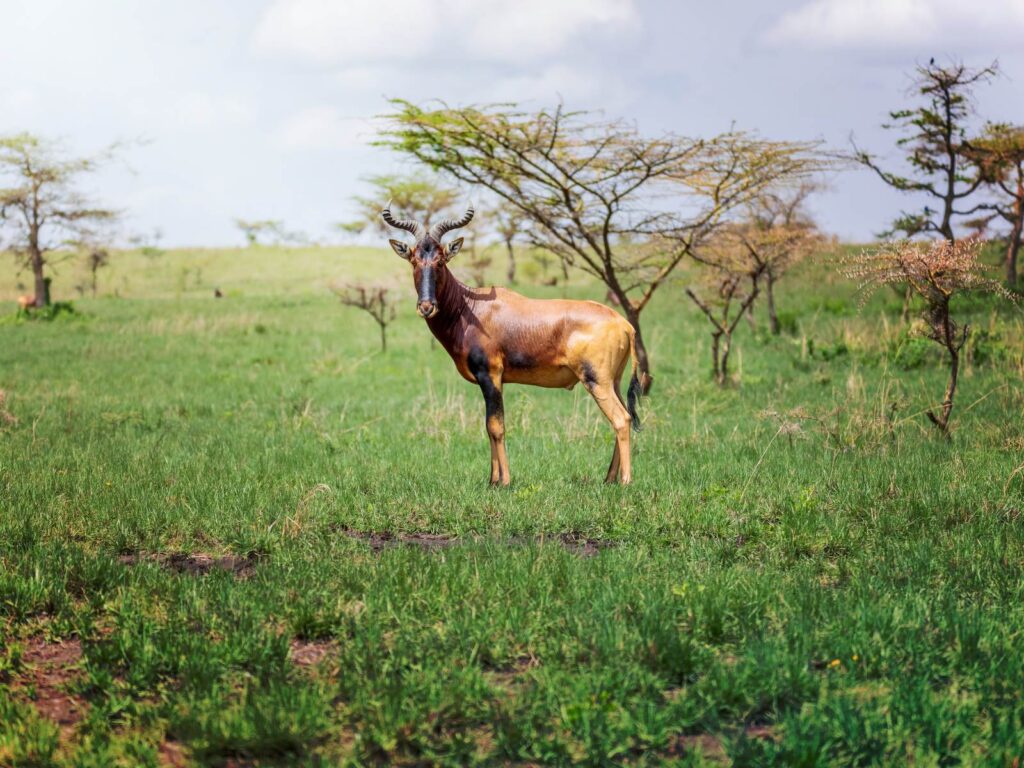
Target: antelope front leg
[[490, 386]]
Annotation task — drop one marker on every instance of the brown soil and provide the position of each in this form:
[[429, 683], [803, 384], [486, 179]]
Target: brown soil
[[711, 746], [380, 540], [172, 755], [309, 653], [582, 545], [49, 668], [705, 743], [196, 563]]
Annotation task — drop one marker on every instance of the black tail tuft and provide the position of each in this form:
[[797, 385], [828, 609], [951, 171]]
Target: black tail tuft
[[632, 396]]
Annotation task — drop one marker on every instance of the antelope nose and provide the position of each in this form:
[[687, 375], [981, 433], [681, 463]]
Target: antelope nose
[[426, 308]]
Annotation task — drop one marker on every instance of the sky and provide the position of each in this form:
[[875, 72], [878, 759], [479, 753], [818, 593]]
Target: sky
[[265, 108]]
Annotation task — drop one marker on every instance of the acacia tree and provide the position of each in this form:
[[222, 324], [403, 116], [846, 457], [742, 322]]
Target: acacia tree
[[936, 147], [778, 232], [731, 276], [419, 196], [508, 223], [999, 154], [374, 301], [269, 232], [624, 208], [936, 272], [96, 256], [42, 209]]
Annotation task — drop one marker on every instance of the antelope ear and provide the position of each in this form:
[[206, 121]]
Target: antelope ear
[[401, 249], [454, 247]]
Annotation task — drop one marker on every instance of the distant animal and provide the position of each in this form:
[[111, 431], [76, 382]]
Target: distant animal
[[497, 337], [217, 293], [25, 303]]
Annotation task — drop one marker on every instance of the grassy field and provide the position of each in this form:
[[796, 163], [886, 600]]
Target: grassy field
[[234, 533]]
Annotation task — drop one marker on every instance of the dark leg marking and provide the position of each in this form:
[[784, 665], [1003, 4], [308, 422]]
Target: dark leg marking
[[479, 366], [589, 376]]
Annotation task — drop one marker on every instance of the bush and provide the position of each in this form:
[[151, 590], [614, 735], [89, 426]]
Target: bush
[[988, 347], [788, 323], [52, 312]]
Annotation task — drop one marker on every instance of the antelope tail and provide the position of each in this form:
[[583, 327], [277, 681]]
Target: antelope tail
[[638, 385]]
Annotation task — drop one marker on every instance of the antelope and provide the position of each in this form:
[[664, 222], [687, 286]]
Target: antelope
[[25, 303], [497, 337]]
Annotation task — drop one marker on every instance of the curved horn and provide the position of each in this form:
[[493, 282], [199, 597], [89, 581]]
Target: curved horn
[[413, 227], [447, 225]]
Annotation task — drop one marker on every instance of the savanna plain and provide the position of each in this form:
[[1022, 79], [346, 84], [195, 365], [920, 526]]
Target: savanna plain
[[233, 532]]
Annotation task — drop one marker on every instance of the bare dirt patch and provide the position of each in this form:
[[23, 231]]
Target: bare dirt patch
[[309, 653], [380, 540], [507, 677], [711, 746], [583, 545], [49, 668], [196, 563], [172, 755], [690, 744]]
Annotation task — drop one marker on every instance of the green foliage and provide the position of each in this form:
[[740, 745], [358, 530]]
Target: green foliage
[[788, 323], [57, 310], [820, 586], [937, 151], [420, 197]]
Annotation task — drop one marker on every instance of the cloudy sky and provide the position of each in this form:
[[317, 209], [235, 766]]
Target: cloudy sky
[[239, 108]]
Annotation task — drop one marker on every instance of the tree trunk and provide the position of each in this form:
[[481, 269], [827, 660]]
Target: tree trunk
[[511, 262], [1013, 248], [41, 281], [643, 363], [383, 337], [716, 368], [723, 365], [953, 348], [942, 420], [773, 318]]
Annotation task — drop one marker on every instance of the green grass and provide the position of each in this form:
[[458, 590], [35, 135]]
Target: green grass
[[798, 557]]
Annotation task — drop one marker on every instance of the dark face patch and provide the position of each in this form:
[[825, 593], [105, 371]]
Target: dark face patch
[[427, 258]]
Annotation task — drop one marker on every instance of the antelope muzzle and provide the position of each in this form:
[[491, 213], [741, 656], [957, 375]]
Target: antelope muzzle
[[426, 304]]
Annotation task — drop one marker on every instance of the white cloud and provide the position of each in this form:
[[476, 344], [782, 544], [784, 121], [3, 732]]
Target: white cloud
[[360, 31], [900, 23], [572, 84], [327, 128]]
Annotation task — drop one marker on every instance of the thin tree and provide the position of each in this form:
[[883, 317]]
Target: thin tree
[[269, 232], [43, 209], [508, 223], [778, 232], [624, 208], [374, 301], [936, 148], [730, 284], [96, 258], [999, 154], [936, 272]]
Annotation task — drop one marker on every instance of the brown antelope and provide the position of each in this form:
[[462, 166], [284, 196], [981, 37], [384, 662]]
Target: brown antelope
[[497, 337], [25, 303]]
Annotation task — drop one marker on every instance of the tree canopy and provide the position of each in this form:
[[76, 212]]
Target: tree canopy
[[623, 207]]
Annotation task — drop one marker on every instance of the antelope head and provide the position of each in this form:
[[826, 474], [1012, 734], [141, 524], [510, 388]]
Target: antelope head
[[427, 255]]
